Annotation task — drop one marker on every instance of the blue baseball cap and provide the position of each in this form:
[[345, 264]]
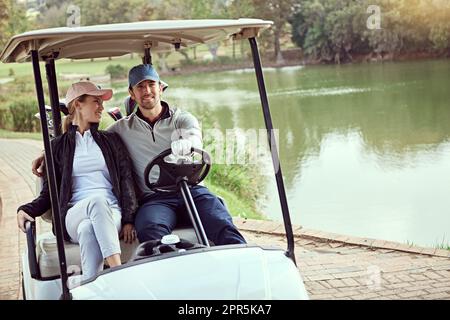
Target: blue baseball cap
[[142, 72]]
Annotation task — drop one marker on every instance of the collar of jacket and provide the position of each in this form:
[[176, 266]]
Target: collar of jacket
[[74, 128], [166, 113]]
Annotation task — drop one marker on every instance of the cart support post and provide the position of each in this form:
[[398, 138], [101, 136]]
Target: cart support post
[[51, 176], [54, 98], [192, 211], [273, 148], [147, 59]]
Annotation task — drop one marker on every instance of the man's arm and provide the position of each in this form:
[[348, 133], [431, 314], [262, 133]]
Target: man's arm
[[188, 128], [112, 127], [38, 164]]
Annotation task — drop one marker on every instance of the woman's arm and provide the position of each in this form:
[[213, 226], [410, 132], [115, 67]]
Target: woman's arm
[[40, 205]]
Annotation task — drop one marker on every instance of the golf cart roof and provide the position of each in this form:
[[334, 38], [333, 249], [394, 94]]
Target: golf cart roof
[[111, 40]]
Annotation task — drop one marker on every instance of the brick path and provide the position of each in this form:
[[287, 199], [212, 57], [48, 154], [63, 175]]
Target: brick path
[[332, 266], [333, 270], [16, 187]]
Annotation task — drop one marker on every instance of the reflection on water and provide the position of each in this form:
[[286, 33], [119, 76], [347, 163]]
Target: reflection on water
[[365, 149]]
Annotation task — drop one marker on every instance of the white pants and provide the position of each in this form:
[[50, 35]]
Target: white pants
[[95, 225]]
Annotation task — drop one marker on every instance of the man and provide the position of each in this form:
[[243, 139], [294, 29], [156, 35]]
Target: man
[[153, 128]]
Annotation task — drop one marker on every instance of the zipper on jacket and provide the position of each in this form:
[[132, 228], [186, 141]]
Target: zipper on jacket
[[153, 136]]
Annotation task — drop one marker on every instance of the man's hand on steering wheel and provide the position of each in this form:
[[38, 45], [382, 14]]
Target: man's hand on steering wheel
[[170, 171], [181, 151], [181, 147]]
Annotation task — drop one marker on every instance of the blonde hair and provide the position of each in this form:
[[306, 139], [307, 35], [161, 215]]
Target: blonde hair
[[67, 121]]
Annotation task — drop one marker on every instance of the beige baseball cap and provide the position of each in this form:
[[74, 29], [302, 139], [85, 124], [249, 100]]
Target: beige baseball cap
[[85, 87]]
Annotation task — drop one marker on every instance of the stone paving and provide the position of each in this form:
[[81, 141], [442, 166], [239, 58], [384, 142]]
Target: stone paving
[[16, 187], [336, 270], [332, 266]]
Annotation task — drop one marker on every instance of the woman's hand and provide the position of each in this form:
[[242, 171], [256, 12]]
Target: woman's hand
[[22, 217], [128, 233]]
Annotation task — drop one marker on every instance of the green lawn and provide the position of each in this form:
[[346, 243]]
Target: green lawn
[[96, 67], [5, 134]]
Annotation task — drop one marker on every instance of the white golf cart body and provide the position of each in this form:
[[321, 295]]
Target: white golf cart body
[[218, 272], [222, 272]]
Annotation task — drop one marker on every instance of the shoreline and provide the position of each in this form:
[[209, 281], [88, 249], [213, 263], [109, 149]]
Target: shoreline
[[268, 62], [277, 228], [299, 61]]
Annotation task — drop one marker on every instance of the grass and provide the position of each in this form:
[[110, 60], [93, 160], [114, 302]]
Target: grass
[[5, 134], [443, 245], [65, 66], [237, 207]]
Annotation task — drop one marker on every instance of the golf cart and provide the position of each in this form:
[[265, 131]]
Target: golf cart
[[183, 265]]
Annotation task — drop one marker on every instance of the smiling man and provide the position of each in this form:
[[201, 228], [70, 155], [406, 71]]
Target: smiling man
[[153, 128]]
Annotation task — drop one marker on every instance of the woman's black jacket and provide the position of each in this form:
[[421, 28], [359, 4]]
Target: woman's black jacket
[[117, 161]]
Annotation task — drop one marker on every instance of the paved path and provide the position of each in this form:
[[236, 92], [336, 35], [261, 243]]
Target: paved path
[[16, 187], [332, 266]]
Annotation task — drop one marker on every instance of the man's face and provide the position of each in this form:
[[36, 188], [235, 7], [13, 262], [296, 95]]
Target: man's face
[[147, 94]]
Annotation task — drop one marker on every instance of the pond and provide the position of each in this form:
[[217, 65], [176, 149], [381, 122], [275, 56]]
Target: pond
[[365, 149]]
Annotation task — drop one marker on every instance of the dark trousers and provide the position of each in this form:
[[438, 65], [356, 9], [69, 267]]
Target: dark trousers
[[158, 215]]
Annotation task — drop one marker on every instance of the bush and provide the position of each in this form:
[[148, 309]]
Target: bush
[[19, 86], [224, 60], [22, 111], [117, 71], [245, 182], [5, 119]]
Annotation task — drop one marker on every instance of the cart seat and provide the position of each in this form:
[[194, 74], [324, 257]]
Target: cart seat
[[47, 252]]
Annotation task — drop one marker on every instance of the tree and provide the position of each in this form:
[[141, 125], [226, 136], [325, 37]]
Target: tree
[[105, 12], [13, 20], [279, 11], [218, 9], [439, 32], [53, 14], [189, 9], [162, 10], [334, 30], [308, 30], [4, 16]]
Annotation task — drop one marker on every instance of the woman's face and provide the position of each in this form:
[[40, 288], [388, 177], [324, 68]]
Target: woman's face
[[90, 109]]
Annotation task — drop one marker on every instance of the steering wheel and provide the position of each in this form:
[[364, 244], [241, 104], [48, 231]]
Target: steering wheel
[[170, 173]]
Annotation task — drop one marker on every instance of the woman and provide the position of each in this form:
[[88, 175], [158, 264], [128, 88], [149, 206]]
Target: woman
[[96, 188]]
